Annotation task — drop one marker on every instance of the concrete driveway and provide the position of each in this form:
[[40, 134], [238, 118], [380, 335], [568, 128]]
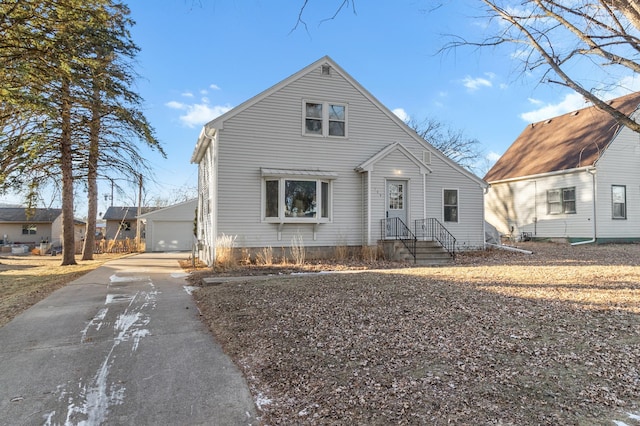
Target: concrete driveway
[[122, 345]]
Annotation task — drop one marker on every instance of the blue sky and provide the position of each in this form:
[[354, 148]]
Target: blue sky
[[200, 58]]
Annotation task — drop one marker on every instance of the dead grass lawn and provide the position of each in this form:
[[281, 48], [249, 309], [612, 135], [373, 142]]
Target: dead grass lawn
[[499, 338], [25, 280]]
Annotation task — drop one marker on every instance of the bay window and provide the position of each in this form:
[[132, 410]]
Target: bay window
[[296, 198]]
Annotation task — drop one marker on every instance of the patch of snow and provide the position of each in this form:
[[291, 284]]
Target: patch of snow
[[262, 401], [632, 416], [115, 278], [97, 320], [189, 289], [179, 275], [113, 298]]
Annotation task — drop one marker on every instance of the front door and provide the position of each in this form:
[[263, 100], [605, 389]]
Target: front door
[[396, 208]]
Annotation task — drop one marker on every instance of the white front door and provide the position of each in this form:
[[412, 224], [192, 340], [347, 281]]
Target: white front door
[[396, 207]]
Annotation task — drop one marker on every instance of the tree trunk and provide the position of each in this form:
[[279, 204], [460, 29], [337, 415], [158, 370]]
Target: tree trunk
[[92, 175], [66, 169]]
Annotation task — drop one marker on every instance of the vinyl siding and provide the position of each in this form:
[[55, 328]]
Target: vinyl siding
[[269, 134], [619, 165], [161, 223], [523, 205]]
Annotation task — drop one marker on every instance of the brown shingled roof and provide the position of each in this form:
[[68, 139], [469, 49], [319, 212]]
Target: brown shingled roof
[[572, 140]]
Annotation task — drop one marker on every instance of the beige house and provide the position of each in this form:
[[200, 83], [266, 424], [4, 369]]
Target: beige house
[[573, 177], [318, 158], [31, 227]]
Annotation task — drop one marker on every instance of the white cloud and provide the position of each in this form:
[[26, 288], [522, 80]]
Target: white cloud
[[175, 105], [474, 84], [571, 102], [200, 114], [401, 114], [493, 156]]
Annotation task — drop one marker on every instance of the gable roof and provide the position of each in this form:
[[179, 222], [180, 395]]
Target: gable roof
[[24, 215], [209, 130], [396, 146], [125, 213], [160, 210], [573, 140]]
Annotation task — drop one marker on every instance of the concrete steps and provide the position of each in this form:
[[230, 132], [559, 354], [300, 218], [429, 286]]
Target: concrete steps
[[427, 252]]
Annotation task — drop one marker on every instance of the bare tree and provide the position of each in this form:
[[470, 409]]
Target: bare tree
[[559, 38], [453, 143]]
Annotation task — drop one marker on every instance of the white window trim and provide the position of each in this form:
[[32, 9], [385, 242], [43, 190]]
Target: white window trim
[[325, 119], [457, 204], [626, 213], [312, 176], [562, 201]]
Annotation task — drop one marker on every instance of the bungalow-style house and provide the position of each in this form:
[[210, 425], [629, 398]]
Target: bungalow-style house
[[573, 177], [170, 228], [121, 222], [19, 225], [317, 161]]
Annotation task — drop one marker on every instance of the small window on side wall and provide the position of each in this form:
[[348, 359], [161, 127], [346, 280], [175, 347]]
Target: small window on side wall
[[619, 201], [562, 200], [450, 202], [29, 229]]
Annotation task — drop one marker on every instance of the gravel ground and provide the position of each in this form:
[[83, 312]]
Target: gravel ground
[[499, 338]]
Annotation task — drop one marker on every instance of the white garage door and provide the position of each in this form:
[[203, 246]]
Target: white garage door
[[170, 236]]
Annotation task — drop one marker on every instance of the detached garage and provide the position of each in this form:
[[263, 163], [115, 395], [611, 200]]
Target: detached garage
[[170, 228]]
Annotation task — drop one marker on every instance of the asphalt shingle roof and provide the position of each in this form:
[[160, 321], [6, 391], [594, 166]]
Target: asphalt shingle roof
[[22, 215], [572, 140], [125, 212]]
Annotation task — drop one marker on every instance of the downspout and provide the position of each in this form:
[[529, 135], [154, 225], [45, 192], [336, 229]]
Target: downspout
[[369, 208], [592, 172], [484, 221]]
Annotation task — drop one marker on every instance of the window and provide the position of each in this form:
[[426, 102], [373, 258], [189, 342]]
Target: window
[[619, 201], [125, 226], [561, 200], [297, 199], [29, 229], [325, 119], [396, 196], [450, 205]]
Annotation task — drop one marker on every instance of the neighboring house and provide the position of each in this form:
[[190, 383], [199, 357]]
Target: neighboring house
[[170, 228], [318, 157], [19, 225], [574, 176], [121, 222]]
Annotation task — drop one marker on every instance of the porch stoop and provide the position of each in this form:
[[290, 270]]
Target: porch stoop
[[427, 252]]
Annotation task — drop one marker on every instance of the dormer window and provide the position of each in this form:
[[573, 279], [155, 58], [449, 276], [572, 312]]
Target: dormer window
[[325, 119]]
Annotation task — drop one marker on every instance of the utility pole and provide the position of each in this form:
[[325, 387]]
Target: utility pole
[[138, 241]]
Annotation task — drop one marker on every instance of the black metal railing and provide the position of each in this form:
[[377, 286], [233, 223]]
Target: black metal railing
[[394, 228], [432, 229]]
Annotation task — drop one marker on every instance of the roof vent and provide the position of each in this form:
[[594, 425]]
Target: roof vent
[[326, 69], [575, 112], [548, 121]]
